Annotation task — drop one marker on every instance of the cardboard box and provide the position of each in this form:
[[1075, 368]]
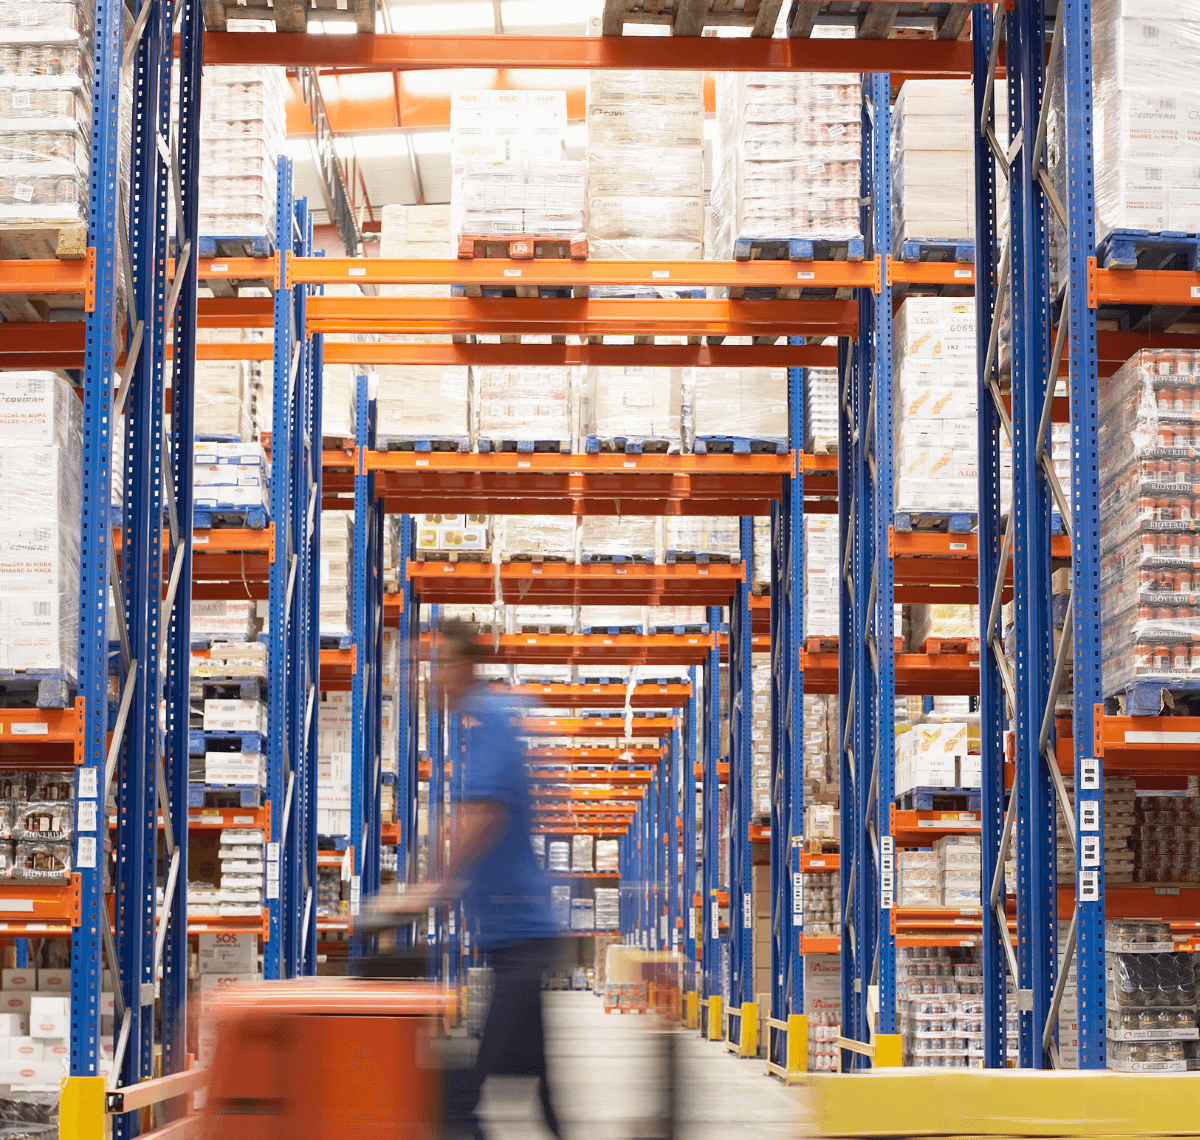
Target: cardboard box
[[234, 716], [14, 1025], [225, 952], [52, 1026], [49, 1005], [18, 980], [219, 981], [24, 1049], [31, 1072], [54, 981]]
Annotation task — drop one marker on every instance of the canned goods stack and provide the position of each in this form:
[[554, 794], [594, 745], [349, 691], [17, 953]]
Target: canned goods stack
[[1149, 432], [789, 158], [45, 110], [1150, 1000], [940, 995]]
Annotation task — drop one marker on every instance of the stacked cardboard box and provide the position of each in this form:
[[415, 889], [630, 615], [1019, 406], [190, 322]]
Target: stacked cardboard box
[[234, 621], [762, 555], [245, 876], [532, 538], [823, 1006], [337, 572], [704, 535], [225, 400], [822, 909], [242, 124], [231, 477], [789, 157], [749, 403], [607, 855], [608, 907], [41, 455], [1123, 812], [937, 755], [35, 1042], [415, 402], [933, 162], [646, 164], [941, 621], [414, 233], [339, 397], [821, 411], [508, 171], [453, 532], [936, 419], [822, 576], [618, 536], [335, 741], [760, 737], [959, 870], [637, 404], [527, 403]]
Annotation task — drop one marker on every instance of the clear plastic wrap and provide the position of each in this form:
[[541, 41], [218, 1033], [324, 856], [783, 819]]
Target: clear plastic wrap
[[935, 392], [232, 621], [760, 739], [636, 216], [617, 536], [530, 538], [337, 561], [422, 402], [1147, 148], [933, 161], [822, 576], [916, 879], [671, 618], [223, 404], [243, 117], [1149, 421], [713, 536], [531, 403], [542, 619], [607, 899], [789, 157], [632, 403], [607, 619], [228, 476], [414, 233], [40, 460], [42, 859], [821, 411], [747, 402], [339, 390], [762, 555], [941, 621]]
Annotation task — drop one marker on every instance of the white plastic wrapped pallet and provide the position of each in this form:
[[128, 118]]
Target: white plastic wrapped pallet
[[337, 571], [535, 537], [745, 402], [710, 535], [41, 454], [821, 411], [530, 403], [422, 402], [632, 403], [822, 576], [615, 536]]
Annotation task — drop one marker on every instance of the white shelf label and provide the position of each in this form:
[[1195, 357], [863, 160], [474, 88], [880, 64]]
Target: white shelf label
[[450, 926], [1090, 853], [432, 926], [1089, 774], [89, 783], [85, 855], [1089, 815], [747, 911], [660, 273], [512, 273], [38, 728], [1089, 886], [86, 816], [805, 276], [1196, 290], [356, 271], [962, 273], [797, 899], [355, 893], [716, 920], [887, 890]]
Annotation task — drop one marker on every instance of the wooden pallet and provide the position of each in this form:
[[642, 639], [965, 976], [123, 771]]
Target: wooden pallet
[[958, 645], [523, 247], [24, 241], [452, 556], [289, 15], [691, 17], [877, 21]]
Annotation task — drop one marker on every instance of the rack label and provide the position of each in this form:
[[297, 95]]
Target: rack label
[[1089, 815], [660, 273], [797, 899], [86, 820], [747, 911], [432, 927], [450, 925], [716, 920], [1089, 851], [355, 893], [85, 855], [89, 783], [1089, 886], [887, 889], [692, 920], [38, 728], [1089, 774]]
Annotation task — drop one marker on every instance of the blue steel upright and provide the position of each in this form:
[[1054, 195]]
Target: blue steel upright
[[711, 800], [688, 780], [787, 731], [673, 784], [1037, 919], [406, 710]]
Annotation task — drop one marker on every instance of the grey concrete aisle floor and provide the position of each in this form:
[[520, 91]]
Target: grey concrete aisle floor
[[607, 1082]]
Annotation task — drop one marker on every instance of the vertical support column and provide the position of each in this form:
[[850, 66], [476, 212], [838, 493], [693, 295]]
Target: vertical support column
[[688, 781], [361, 755], [437, 759], [178, 616], [879, 853], [711, 799], [1085, 576], [141, 563], [454, 789], [991, 692], [101, 351], [281, 555], [408, 657], [741, 785], [1037, 920], [673, 836], [787, 732]]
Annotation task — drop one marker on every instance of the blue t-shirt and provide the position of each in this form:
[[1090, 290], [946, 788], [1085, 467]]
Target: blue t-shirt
[[508, 893]]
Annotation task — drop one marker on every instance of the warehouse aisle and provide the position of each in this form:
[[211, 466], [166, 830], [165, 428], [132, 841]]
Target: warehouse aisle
[[606, 1075]]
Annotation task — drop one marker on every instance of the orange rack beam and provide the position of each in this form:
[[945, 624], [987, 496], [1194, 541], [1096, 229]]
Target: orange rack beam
[[488, 271], [645, 695], [42, 737], [568, 584], [605, 779], [921, 828], [820, 944], [576, 316], [1141, 286], [917, 674], [929, 272], [338, 667], [594, 795], [820, 864], [639, 754], [1143, 745], [595, 726], [51, 276], [598, 832], [39, 908], [905, 59], [615, 649]]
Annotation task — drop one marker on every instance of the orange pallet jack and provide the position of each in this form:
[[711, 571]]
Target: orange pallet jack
[[327, 1058]]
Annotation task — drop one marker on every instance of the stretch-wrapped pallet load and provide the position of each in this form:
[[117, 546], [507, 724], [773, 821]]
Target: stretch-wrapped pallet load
[[530, 404], [1149, 422], [760, 738], [509, 175], [742, 403], [937, 755], [608, 908], [612, 619], [453, 534], [41, 453], [542, 619], [623, 406], [699, 538], [243, 118], [1147, 145], [422, 402], [762, 555], [232, 477], [337, 570], [537, 538], [45, 115], [617, 538], [822, 576], [645, 168], [936, 408], [339, 396], [224, 407], [414, 233], [234, 621], [821, 411], [677, 619], [335, 741], [933, 162], [941, 622], [789, 158]]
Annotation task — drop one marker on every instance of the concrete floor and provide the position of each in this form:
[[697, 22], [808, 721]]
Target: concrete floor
[[607, 1084]]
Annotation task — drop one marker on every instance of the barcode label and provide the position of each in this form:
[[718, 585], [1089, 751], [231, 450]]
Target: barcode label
[[41, 609], [86, 851]]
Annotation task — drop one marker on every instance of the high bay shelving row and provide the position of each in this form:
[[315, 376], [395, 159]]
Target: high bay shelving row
[[123, 373]]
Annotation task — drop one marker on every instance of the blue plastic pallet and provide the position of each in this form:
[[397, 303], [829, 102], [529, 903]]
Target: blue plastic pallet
[[55, 687], [630, 446], [337, 640], [251, 518], [525, 446], [559, 292], [235, 245], [1142, 249], [422, 443], [700, 558], [333, 843], [679, 631], [235, 688], [616, 559], [956, 522], [388, 778], [937, 249], [739, 445], [200, 742], [1146, 697], [614, 630], [250, 795], [799, 249], [217, 437], [938, 799]]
